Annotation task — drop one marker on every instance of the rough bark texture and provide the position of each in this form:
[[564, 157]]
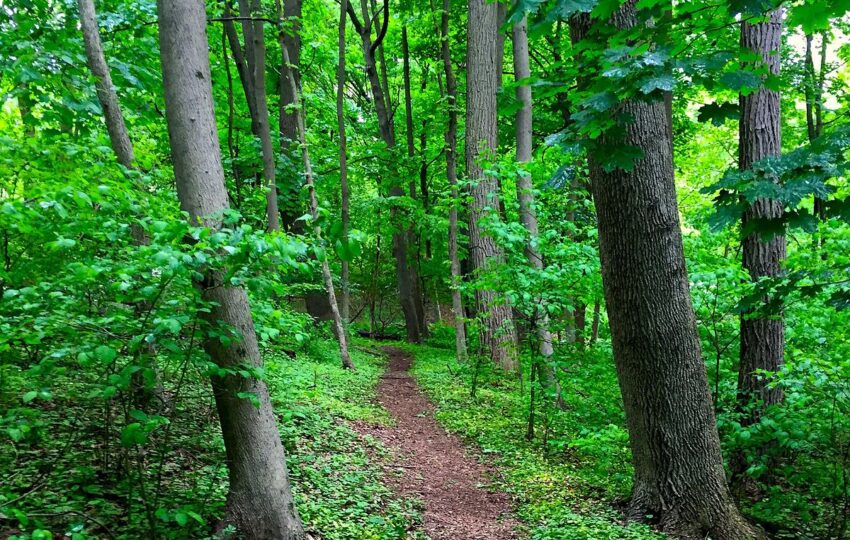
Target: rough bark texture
[[260, 499], [339, 328], [255, 46], [345, 305], [498, 336], [451, 173], [119, 137], [679, 479], [762, 338]]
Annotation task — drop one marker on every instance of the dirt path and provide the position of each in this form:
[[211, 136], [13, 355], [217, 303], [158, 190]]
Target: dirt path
[[436, 468]]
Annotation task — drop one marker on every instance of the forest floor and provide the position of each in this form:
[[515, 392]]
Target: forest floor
[[434, 466]]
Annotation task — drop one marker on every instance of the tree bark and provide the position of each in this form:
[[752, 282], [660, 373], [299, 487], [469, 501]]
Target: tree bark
[[345, 307], [385, 126], [255, 46], [119, 137], [525, 196], [339, 328], [290, 39], [762, 338], [679, 481], [451, 172], [498, 335], [418, 295], [260, 499]]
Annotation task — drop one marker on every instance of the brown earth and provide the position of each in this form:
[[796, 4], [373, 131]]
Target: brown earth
[[434, 466]]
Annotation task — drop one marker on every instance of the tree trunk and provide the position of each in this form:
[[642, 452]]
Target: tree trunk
[[451, 173], [119, 137], [679, 481], [345, 307], [290, 39], [525, 196], [255, 46], [762, 338], [339, 328], [814, 110], [400, 247], [260, 498], [418, 295], [498, 335]]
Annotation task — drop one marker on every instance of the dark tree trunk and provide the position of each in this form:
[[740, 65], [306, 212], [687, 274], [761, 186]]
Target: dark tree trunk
[[260, 499], [451, 173], [762, 338], [290, 39], [404, 274], [679, 479], [345, 305], [418, 294], [498, 336]]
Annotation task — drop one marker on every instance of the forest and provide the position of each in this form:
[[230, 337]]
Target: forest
[[425, 269]]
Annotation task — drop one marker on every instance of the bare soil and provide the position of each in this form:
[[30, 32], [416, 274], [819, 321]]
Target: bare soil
[[434, 465]]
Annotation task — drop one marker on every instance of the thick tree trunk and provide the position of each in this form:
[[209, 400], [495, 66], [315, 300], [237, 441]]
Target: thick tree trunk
[[345, 307], [451, 173], [290, 39], [339, 327], [762, 338], [678, 469], [260, 498], [255, 46], [525, 196], [498, 335]]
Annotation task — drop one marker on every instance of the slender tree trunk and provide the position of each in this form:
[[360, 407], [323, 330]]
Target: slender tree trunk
[[525, 196], [241, 64], [290, 39], [404, 275], [814, 108], [339, 328], [106, 94], [451, 172], [762, 338], [255, 45], [345, 307], [498, 335], [679, 479], [594, 327], [418, 294], [122, 146], [260, 498]]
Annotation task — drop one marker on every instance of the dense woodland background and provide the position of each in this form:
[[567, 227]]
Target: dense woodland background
[[613, 235]]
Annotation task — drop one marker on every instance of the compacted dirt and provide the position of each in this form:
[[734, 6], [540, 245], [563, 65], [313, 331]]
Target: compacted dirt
[[435, 467]]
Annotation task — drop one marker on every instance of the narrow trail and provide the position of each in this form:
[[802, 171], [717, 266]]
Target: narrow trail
[[436, 468]]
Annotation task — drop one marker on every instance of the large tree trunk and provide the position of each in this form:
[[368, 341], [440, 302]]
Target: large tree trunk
[[255, 46], [679, 479], [260, 498], [498, 335], [451, 173], [762, 338], [290, 39], [404, 275], [345, 307], [339, 327], [525, 197]]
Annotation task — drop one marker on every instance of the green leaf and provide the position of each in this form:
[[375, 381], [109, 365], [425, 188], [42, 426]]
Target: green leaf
[[664, 82], [718, 113], [29, 396], [105, 354]]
